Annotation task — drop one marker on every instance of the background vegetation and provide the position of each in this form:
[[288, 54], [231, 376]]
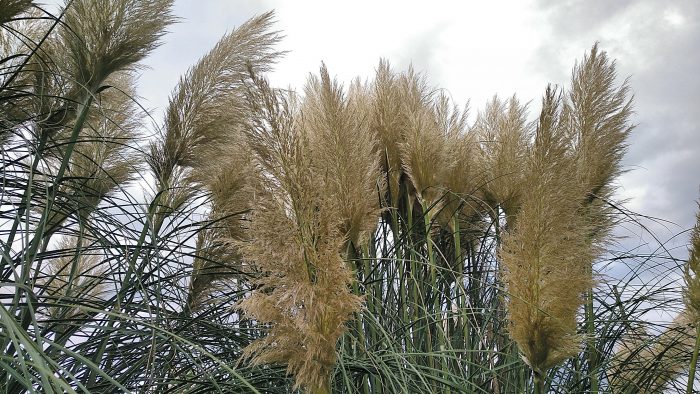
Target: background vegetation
[[368, 238]]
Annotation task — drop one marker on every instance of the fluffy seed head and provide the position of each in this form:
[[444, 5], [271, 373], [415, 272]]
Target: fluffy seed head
[[503, 135], [73, 278], [596, 118], [691, 291], [546, 257], [646, 364], [11, 8], [388, 123], [208, 104], [344, 152], [206, 114], [104, 37], [230, 182], [296, 242], [103, 159]]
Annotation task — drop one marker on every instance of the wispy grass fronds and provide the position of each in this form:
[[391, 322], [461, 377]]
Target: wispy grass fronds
[[208, 103], [423, 137], [425, 153], [504, 134], [691, 291], [546, 257], [104, 37], [231, 185], [103, 158], [691, 296], [648, 364], [11, 8], [71, 279], [597, 115], [22, 59], [461, 184], [344, 152], [206, 110], [304, 288], [387, 121], [203, 146]]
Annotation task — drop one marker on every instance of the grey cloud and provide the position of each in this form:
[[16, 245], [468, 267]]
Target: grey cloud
[[570, 17], [664, 151], [421, 52]]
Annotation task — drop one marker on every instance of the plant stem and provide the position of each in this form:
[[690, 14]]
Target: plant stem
[[430, 321], [693, 361], [539, 383], [592, 356]]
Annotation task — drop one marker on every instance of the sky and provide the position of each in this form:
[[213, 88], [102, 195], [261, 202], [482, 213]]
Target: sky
[[475, 49]]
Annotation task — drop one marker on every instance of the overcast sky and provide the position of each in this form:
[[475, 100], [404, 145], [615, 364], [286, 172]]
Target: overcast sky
[[476, 49]]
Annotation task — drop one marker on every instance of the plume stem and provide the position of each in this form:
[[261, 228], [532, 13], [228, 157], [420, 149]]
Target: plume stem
[[693, 361], [591, 345], [539, 382], [413, 258], [39, 232]]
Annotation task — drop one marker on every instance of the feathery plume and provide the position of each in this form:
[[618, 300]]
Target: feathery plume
[[548, 254], [18, 95], [645, 364], [596, 117], [95, 40], [463, 182], [545, 255], [103, 159], [420, 142], [425, 155], [73, 278], [230, 182], [209, 102], [504, 136], [204, 137], [691, 296], [104, 37], [425, 148], [344, 152], [387, 124], [691, 291], [11, 8], [206, 110], [296, 242]]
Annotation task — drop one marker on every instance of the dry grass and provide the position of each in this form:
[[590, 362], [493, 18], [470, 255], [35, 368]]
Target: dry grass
[[298, 239], [11, 8], [546, 256], [365, 238], [503, 134], [691, 292]]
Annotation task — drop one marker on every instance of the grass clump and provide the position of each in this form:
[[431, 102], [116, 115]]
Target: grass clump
[[366, 238]]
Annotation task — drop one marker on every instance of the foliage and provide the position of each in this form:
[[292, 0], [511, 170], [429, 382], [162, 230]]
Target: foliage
[[367, 238]]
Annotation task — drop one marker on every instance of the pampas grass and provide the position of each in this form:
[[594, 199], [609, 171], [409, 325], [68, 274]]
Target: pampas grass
[[504, 134], [11, 8], [315, 202], [202, 146], [365, 237], [545, 255]]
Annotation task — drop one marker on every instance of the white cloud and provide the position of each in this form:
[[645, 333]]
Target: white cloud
[[674, 18], [473, 49]]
